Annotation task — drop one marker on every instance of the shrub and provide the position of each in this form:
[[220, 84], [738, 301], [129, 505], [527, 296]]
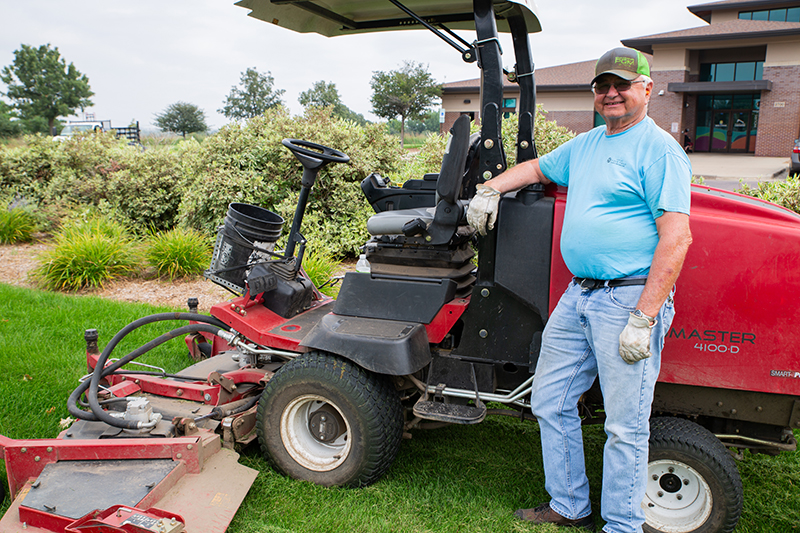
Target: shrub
[[247, 163], [784, 193], [338, 232], [16, 225], [142, 188], [87, 254], [146, 191], [178, 253], [427, 160]]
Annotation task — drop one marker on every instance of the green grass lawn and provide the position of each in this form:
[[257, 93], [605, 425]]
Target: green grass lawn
[[457, 479]]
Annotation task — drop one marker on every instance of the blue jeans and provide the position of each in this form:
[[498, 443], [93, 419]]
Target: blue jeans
[[580, 342]]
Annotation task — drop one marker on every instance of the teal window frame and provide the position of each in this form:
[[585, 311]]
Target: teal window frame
[[739, 71], [783, 14], [509, 103]]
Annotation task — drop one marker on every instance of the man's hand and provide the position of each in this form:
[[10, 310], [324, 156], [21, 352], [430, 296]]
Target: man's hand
[[634, 341], [482, 211]]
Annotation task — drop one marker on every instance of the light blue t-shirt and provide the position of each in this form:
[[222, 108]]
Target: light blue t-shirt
[[618, 185]]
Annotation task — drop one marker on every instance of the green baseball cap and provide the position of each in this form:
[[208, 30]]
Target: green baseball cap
[[626, 63]]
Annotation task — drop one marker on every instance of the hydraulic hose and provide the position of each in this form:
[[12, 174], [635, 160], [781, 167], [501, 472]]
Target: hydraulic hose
[[208, 325], [219, 412], [101, 371], [74, 399]]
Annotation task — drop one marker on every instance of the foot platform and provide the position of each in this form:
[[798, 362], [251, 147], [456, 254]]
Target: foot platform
[[450, 412]]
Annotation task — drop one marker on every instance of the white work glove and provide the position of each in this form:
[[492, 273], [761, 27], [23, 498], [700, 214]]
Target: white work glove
[[634, 341], [482, 211]]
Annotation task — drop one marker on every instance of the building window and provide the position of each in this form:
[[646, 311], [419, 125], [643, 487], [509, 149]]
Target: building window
[[791, 14], [509, 107], [744, 71]]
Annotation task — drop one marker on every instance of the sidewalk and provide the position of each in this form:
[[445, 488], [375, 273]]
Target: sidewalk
[[725, 171]]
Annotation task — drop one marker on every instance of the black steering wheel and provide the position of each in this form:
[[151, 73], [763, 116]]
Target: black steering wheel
[[322, 153]]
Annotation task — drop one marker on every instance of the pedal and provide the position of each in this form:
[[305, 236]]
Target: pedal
[[449, 412]]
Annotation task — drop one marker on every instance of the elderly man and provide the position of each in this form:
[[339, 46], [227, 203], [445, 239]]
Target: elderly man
[[624, 238]]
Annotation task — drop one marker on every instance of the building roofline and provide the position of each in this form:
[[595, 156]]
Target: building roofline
[[704, 10], [645, 44]]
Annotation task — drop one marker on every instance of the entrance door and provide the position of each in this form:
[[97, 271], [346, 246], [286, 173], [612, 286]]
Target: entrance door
[[727, 123], [720, 133], [739, 131]]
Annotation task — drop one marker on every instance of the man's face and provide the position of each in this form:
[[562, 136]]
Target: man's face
[[618, 104]]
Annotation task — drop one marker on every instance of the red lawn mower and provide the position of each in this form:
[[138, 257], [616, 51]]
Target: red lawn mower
[[420, 338]]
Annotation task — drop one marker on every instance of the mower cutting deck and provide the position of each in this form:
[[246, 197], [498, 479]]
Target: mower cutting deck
[[178, 475], [163, 485]]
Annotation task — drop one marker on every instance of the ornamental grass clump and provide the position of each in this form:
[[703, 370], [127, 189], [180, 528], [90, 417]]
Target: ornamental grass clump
[[320, 267], [178, 253], [87, 254], [16, 225]]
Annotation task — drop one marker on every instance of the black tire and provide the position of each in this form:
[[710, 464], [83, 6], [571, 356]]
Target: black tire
[[357, 414], [693, 485]]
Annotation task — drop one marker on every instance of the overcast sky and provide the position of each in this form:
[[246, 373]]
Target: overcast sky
[[142, 56]]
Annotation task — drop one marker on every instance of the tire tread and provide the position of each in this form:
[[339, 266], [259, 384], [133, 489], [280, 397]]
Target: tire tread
[[374, 394]]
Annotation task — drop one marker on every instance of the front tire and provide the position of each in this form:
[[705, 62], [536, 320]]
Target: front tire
[[326, 420], [693, 485]]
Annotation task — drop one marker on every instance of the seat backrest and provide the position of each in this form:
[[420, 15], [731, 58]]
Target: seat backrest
[[448, 187]]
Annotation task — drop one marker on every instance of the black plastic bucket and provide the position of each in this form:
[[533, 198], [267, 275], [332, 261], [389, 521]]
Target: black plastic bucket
[[246, 228], [253, 223]]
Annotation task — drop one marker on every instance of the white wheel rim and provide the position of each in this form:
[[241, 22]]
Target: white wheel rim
[[678, 499], [302, 445]]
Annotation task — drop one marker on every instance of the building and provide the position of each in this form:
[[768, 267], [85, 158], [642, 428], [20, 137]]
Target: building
[[734, 82]]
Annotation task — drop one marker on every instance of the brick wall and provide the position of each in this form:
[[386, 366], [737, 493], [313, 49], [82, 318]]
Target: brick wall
[[778, 127], [577, 121], [450, 118], [669, 107]]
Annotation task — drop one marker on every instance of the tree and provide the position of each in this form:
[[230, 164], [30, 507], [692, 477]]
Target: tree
[[324, 94], [255, 96], [321, 94], [41, 84], [183, 118], [407, 93]]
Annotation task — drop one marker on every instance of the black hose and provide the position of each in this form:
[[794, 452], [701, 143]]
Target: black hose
[[208, 325], [179, 377], [101, 371], [219, 412]]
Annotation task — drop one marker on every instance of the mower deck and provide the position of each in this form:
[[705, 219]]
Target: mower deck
[[162, 485]]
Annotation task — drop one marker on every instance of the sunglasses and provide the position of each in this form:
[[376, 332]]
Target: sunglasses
[[621, 86]]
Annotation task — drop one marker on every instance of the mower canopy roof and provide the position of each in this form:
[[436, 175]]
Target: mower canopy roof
[[345, 17]]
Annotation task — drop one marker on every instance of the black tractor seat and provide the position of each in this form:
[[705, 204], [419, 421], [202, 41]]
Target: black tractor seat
[[434, 225], [429, 242]]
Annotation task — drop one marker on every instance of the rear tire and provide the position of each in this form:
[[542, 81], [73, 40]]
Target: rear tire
[[326, 420], [693, 485]]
